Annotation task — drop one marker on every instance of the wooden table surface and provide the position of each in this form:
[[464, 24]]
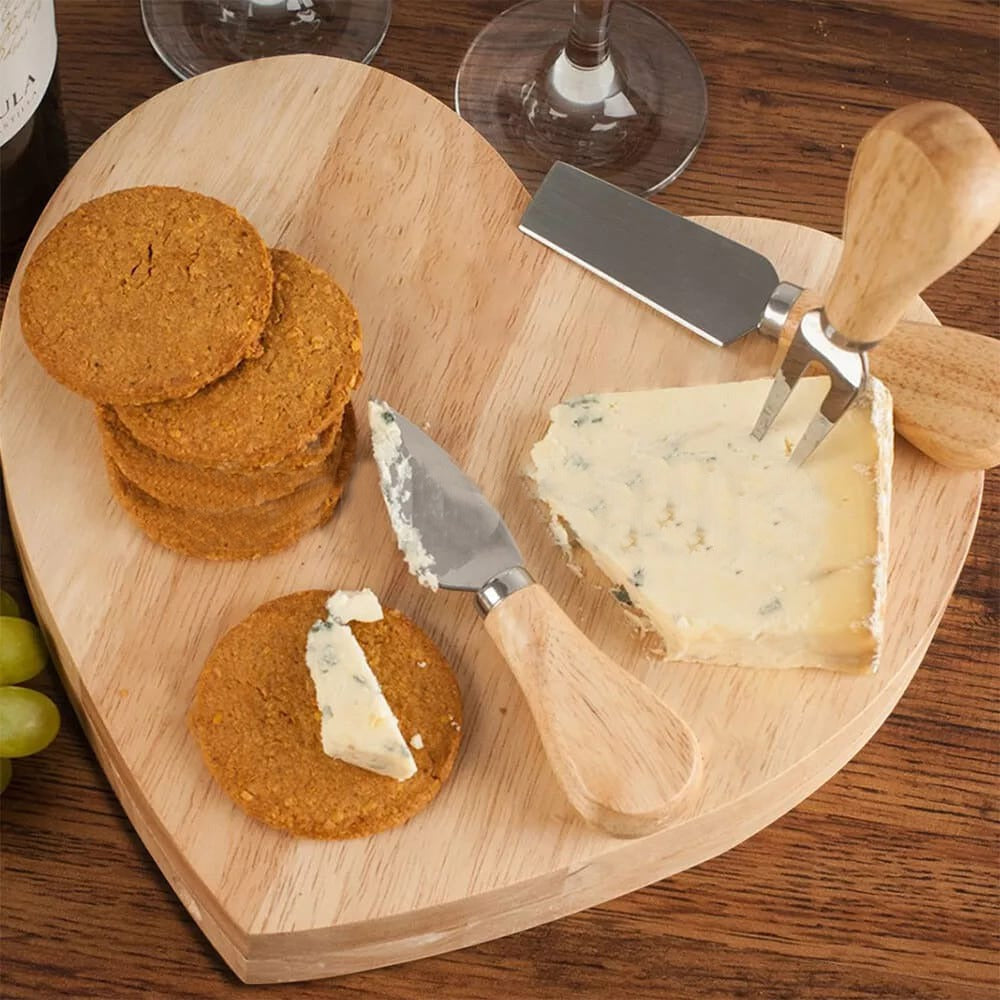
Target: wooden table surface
[[883, 883]]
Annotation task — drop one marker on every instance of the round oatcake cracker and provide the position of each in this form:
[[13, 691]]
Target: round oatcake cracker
[[249, 532], [146, 294], [272, 405], [255, 717], [192, 487]]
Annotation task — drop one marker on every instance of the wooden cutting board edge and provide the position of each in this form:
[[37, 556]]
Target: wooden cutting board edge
[[276, 957], [340, 950]]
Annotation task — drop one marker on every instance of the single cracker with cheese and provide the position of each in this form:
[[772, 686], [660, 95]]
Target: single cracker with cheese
[[303, 678], [733, 555]]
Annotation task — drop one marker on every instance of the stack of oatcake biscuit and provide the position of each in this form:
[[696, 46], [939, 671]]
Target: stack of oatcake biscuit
[[222, 370]]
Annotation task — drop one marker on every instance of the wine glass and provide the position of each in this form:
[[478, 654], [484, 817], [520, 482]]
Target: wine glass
[[192, 36], [607, 86]]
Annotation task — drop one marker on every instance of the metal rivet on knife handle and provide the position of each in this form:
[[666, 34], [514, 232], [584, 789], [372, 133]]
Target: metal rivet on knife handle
[[924, 193], [510, 581]]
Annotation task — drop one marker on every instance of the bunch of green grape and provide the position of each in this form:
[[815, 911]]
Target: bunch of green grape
[[29, 720]]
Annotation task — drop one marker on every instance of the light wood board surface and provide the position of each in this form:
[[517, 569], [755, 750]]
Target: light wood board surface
[[477, 331]]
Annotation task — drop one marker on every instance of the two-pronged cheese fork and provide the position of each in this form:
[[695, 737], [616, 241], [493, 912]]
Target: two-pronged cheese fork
[[924, 192]]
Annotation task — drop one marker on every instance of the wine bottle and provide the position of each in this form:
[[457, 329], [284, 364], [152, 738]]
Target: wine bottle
[[33, 151]]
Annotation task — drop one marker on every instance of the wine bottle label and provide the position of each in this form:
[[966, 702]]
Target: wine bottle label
[[27, 60]]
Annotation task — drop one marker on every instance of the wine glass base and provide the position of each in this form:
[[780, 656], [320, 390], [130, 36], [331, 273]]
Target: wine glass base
[[500, 83], [194, 36]]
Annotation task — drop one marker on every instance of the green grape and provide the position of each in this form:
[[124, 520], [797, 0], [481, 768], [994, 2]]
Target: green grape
[[29, 721], [6, 770], [22, 652], [8, 606]]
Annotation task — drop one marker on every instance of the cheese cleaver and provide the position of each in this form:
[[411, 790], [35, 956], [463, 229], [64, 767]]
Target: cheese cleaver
[[944, 381], [623, 758]]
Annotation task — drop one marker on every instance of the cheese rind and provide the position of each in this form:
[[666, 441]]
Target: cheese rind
[[356, 723], [730, 552]]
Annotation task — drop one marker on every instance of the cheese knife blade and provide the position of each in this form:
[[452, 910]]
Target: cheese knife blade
[[445, 526], [627, 780], [663, 259]]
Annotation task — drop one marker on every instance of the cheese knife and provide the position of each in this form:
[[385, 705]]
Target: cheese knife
[[945, 382], [625, 760]]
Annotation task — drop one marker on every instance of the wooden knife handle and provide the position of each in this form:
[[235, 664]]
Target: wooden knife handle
[[945, 385], [624, 759], [924, 192]]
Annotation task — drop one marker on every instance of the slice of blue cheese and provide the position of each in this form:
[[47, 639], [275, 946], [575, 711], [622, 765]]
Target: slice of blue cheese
[[356, 723], [730, 552]]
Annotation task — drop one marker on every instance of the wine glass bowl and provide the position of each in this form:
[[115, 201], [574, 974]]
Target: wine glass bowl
[[193, 36], [621, 96]]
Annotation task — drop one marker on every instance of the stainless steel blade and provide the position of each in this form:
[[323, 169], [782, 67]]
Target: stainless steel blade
[[464, 537], [846, 368], [712, 285]]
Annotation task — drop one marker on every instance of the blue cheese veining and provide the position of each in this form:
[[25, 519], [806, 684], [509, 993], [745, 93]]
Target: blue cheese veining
[[357, 724], [396, 477], [729, 551]]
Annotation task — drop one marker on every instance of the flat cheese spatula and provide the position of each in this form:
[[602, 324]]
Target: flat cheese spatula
[[625, 760], [944, 381]]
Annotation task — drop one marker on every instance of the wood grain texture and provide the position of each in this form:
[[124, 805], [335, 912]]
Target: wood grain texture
[[924, 193], [945, 386], [881, 883], [625, 760], [959, 432], [507, 329]]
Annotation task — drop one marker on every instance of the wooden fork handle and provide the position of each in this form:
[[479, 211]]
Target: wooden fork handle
[[945, 385], [924, 192], [624, 759]]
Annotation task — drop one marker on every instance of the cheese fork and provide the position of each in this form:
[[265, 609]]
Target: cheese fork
[[924, 193]]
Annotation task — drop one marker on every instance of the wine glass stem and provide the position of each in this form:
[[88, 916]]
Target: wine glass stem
[[587, 44]]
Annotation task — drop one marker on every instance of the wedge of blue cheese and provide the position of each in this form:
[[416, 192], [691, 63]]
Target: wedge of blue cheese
[[356, 723], [732, 554]]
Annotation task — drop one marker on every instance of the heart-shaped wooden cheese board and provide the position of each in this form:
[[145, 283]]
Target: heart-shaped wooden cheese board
[[476, 331]]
